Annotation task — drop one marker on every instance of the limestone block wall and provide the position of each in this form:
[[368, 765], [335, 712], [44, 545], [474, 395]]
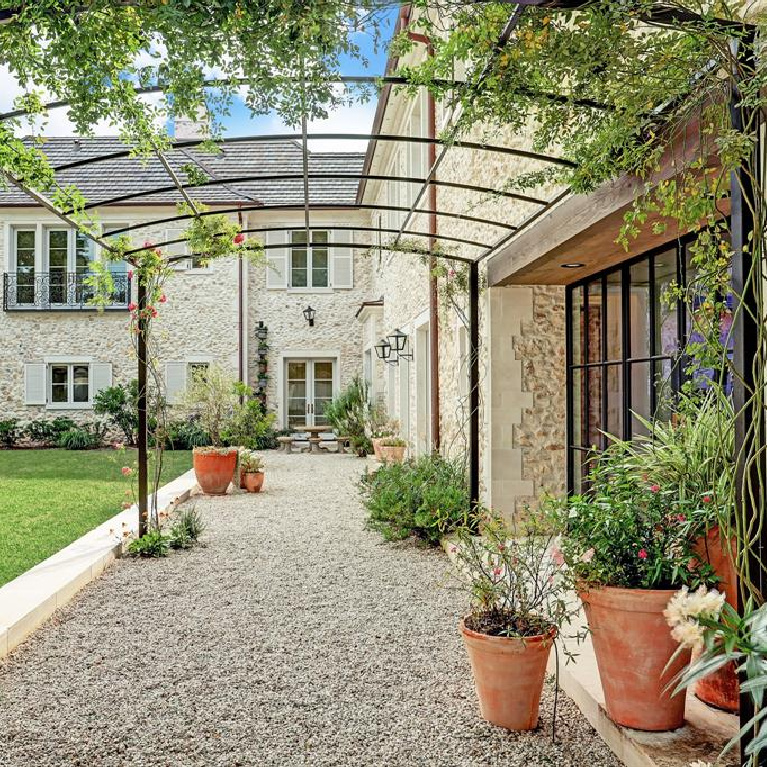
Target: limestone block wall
[[336, 331]]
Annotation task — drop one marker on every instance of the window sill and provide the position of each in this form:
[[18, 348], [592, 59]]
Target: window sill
[[310, 290], [69, 406]]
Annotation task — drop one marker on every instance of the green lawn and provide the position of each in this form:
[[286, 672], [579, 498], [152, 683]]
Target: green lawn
[[49, 498]]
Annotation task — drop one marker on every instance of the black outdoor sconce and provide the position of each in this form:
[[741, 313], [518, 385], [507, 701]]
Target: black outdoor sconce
[[398, 342], [261, 331], [383, 351], [309, 316]]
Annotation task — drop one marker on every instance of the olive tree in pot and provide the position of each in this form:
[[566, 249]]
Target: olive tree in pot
[[211, 396], [519, 603], [629, 547]]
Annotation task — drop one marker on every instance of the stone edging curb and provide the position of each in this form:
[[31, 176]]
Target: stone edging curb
[[29, 600]]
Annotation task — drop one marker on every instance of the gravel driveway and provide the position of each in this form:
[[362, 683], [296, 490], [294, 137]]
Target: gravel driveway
[[293, 637]]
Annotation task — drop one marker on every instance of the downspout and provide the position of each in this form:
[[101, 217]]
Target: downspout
[[433, 285]]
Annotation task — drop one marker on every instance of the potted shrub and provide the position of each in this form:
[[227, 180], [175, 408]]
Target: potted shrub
[[251, 471], [627, 544], [347, 414], [392, 449], [519, 602], [211, 396]]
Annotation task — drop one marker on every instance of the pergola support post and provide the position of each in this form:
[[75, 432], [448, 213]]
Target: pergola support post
[[143, 454], [474, 384], [747, 276]]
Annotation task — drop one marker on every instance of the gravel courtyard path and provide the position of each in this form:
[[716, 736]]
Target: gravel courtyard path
[[293, 637]]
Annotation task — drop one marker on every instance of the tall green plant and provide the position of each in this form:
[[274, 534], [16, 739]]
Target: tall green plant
[[212, 397], [348, 412]]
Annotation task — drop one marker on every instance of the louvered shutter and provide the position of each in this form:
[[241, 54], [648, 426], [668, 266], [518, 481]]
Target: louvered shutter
[[175, 382], [343, 259], [101, 376], [276, 260], [35, 383]]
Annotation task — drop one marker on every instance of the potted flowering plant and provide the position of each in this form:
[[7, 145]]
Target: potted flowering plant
[[628, 547], [251, 471], [211, 396], [519, 603], [392, 449]]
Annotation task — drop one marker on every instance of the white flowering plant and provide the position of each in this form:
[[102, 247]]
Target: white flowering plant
[[628, 530], [516, 587], [702, 620]]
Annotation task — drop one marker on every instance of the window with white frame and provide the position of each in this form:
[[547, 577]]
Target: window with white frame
[[24, 252], [309, 267], [69, 383], [182, 249]]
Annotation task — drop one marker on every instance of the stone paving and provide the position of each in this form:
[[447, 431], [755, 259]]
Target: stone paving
[[292, 637]]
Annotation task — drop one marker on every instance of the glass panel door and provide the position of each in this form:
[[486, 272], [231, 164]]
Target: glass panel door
[[296, 386], [58, 254], [83, 258], [25, 267], [322, 391]]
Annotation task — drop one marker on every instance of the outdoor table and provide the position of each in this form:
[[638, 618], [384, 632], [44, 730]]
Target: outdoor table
[[314, 436]]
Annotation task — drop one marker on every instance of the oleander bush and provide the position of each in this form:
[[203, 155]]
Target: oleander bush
[[426, 497]]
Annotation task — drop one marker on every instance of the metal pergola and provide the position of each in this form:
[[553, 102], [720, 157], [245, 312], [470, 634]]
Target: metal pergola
[[659, 14]]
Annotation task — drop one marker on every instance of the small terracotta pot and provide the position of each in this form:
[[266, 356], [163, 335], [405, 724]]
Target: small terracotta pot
[[508, 676], [720, 689], [633, 645], [214, 471], [254, 481], [377, 447], [392, 454]]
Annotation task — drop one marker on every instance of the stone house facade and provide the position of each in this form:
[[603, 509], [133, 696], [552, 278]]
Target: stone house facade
[[57, 350]]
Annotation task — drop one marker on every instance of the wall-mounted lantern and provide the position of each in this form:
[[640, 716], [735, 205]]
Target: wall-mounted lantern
[[383, 351], [309, 316], [398, 342], [261, 331]]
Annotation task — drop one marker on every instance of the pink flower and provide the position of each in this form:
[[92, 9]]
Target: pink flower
[[557, 556], [654, 488], [706, 499], [681, 518], [451, 273], [158, 252], [130, 274], [127, 471], [154, 312], [453, 549], [587, 556], [501, 547], [148, 244], [132, 307], [642, 554], [163, 298], [238, 238], [496, 571]]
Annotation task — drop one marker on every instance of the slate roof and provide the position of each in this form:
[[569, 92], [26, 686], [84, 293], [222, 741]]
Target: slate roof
[[115, 177]]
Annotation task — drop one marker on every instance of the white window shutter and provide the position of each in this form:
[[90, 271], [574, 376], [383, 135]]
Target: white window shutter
[[343, 259], [276, 261], [101, 376], [175, 382], [35, 383]]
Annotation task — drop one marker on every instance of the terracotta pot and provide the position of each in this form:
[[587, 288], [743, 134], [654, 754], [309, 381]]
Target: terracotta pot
[[633, 644], [254, 481], [377, 446], [213, 470], [720, 689], [392, 454], [508, 676]]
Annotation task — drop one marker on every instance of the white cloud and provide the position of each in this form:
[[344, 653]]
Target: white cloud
[[357, 118]]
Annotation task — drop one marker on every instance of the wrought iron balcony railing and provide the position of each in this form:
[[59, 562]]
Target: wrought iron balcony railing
[[59, 291]]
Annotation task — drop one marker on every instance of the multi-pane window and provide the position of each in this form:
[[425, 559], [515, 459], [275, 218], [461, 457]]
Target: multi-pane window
[[309, 267], [25, 265], [69, 383], [624, 342]]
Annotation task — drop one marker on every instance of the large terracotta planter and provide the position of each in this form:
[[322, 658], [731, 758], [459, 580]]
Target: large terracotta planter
[[633, 645], [377, 446], [254, 481], [720, 689], [508, 676], [214, 469], [392, 453]]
